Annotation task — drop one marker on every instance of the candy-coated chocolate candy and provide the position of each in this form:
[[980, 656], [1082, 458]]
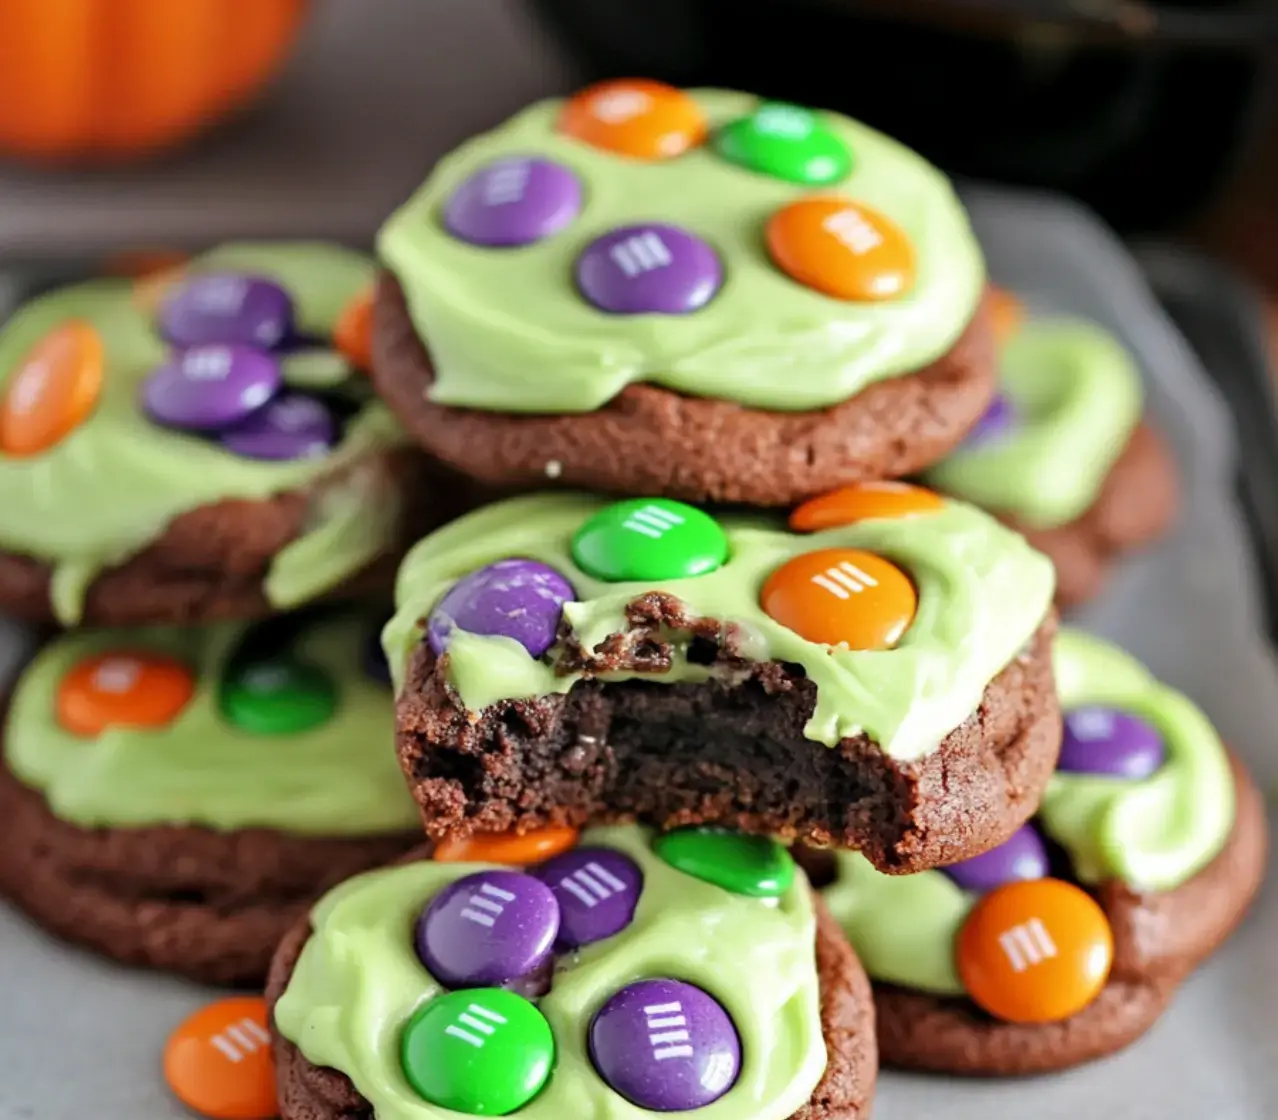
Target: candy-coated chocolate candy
[[353, 332], [841, 248], [597, 889], [208, 388], [1035, 951], [649, 539], [863, 501], [513, 201], [519, 599], [278, 696], [1008, 313], [649, 269], [1110, 742], [123, 689], [751, 865], [508, 847], [52, 390], [218, 1062], [151, 289], [841, 596], [485, 1052], [292, 426], [636, 118], [227, 308], [1023, 856], [487, 930], [995, 422], [665, 1046], [786, 142]]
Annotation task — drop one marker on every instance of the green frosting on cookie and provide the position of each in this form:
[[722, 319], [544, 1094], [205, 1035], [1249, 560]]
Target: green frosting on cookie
[[340, 778], [111, 486], [1077, 397], [359, 980], [508, 331], [982, 592], [1153, 834]]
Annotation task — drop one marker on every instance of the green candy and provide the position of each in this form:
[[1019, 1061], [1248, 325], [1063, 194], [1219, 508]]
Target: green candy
[[756, 866], [484, 1052], [649, 539], [786, 142], [278, 696]]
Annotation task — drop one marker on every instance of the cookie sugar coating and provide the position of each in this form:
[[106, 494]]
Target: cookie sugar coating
[[508, 331], [112, 483]]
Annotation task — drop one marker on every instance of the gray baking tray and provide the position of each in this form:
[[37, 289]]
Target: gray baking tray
[[80, 1038]]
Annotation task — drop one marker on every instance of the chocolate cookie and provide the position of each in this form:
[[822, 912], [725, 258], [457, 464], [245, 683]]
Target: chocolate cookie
[[643, 660], [179, 799], [763, 969], [205, 449], [1062, 454], [684, 319], [1013, 971]]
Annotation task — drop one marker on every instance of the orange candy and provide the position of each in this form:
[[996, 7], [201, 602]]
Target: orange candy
[[150, 289], [841, 248], [635, 117], [841, 596], [53, 390], [218, 1063], [353, 335], [1008, 314], [863, 501], [1035, 951], [506, 847], [123, 690], [138, 263]]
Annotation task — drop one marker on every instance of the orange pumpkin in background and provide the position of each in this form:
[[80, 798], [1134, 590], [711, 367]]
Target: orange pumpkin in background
[[111, 80]]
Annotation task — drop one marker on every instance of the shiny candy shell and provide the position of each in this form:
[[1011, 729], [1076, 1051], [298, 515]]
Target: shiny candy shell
[[636, 118], [208, 388], [649, 269], [218, 1062], [52, 391], [597, 889], [489, 929], [665, 1046], [123, 689], [863, 501], [649, 539], [1035, 951], [292, 426], [514, 201], [516, 849], [483, 1052], [756, 866], [996, 422], [841, 248], [278, 696], [518, 599], [1107, 741], [1023, 856], [841, 596], [227, 308], [786, 142]]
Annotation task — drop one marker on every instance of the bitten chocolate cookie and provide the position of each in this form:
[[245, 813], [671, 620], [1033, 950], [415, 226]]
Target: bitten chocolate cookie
[[691, 294], [1062, 454], [1066, 943], [692, 972], [878, 676], [177, 799], [202, 448]]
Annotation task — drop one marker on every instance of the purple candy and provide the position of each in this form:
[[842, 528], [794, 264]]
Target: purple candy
[[665, 1046], [649, 269], [228, 308], [513, 202], [597, 889], [292, 426], [208, 388], [487, 930], [1021, 857], [520, 599], [1106, 741], [996, 422]]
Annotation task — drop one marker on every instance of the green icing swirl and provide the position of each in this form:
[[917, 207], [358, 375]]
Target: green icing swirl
[[508, 332], [1153, 834], [1077, 396], [114, 483], [358, 981], [338, 779], [982, 593]]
